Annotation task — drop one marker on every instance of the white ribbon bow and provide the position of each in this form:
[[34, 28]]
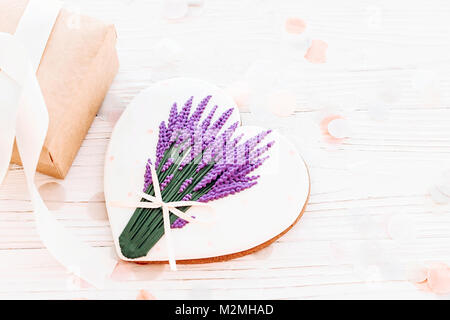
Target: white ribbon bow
[[156, 201]]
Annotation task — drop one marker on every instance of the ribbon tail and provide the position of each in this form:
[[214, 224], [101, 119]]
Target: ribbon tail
[[83, 260], [182, 215], [172, 261]]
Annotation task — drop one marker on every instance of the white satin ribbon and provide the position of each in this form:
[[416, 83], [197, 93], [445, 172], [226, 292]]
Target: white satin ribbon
[[23, 115], [157, 202]]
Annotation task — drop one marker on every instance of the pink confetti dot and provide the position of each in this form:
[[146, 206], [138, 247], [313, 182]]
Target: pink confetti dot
[[295, 25], [317, 53], [145, 295], [416, 273], [175, 9], [96, 207], [438, 278], [324, 128], [53, 195], [241, 94], [338, 128]]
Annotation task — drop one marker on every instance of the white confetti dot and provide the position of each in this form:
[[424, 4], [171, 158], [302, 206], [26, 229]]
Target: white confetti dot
[[401, 227], [111, 109], [437, 196], [443, 183], [53, 195], [96, 207], [261, 76], [281, 103], [175, 9], [240, 92], [167, 51], [338, 128], [416, 273]]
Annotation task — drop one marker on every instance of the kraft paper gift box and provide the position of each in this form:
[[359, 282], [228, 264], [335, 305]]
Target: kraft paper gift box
[[77, 68]]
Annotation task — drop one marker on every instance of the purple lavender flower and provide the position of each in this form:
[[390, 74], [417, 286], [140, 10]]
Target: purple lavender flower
[[227, 190], [148, 175], [209, 134], [179, 223], [218, 148], [167, 165], [260, 151], [166, 181], [211, 176], [184, 185], [205, 124], [171, 125], [173, 116], [187, 197], [195, 118], [161, 145], [184, 114]]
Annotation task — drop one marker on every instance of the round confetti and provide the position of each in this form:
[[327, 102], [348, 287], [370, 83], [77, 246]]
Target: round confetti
[[438, 278], [262, 75], [96, 207], [241, 94], [338, 128], [401, 227], [111, 109], [175, 9], [281, 103], [295, 25], [145, 295], [53, 195], [416, 273], [167, 51], [317, 53], [437, 196]]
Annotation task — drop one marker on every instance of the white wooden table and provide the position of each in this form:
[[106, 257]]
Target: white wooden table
[[370, 214]]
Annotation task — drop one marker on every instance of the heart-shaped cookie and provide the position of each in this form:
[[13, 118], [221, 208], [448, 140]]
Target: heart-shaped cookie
[[238, 224]]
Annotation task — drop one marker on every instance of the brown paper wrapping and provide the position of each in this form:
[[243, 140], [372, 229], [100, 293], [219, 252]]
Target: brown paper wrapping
[[77, 68]]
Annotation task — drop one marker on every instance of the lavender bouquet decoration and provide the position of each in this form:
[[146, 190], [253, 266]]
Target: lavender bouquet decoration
[[195, 161]]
